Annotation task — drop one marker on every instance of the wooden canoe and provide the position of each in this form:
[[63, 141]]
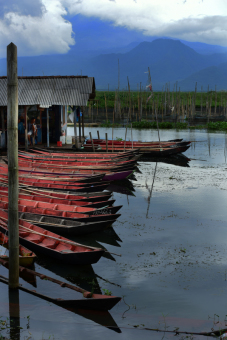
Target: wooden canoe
[[45, 203], [63, 214], [50, 244], [89, 198], [66, 226], [26, 256], [42, 197]]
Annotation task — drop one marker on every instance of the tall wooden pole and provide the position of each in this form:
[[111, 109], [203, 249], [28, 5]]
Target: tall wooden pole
[[12, 145], [48, 129]]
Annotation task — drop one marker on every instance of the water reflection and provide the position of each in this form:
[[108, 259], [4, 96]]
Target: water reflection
[[14, 314], [150, 190], [124, 187], [178, 160]]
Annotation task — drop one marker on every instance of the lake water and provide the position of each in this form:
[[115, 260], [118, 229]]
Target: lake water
[[173, 269]]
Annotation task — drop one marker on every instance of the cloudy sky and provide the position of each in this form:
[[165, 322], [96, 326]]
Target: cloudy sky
[[55, 26]]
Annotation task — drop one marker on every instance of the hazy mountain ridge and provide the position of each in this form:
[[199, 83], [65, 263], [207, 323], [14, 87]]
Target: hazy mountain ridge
[[169, 61]]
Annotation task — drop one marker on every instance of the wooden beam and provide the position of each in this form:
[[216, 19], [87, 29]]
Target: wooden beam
[[12, 145]]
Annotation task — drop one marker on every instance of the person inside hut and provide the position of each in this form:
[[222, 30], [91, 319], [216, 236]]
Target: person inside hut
[[21, 131], [33, 131]]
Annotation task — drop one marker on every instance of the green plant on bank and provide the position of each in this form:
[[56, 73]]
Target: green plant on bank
[[162, 125], [119, 139], [107, 292], [220, 126], [107, 124]]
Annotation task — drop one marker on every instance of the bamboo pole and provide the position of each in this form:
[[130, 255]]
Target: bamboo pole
[[98, 134], [75, 129], [12, 145], [48, 134], [93, 148], [83, 124], [131, 136], [106, 141]]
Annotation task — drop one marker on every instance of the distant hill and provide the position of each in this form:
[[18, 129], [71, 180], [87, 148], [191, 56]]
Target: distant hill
[[170, 61]]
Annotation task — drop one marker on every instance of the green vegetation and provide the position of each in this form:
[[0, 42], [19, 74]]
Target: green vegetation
[[107, 98], [162, 125], [107, 292], [108, 124], [218, 126]]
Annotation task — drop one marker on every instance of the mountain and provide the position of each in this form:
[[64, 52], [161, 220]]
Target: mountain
[[213, 76], [169, 60]]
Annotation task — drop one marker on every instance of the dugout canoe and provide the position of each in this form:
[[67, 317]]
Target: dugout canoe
[[60, 187], [104, 168], [66, 226], [26, 256], [46, 198], [50, 244], [95, 197], [78, 165], [82, 298], [56, 208], [63, 214], [82, 153], [105, 176], [156, 151], [136, 144]]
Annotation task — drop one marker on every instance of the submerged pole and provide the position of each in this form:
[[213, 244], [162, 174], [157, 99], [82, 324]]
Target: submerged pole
[[12, 146]]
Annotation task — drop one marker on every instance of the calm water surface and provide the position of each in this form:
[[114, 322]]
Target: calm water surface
[[173, 268]]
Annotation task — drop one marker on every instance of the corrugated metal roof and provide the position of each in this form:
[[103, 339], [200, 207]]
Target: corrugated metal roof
[[51, 90]]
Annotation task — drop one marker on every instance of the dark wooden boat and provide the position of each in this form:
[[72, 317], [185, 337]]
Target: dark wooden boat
[[62, 214], [157, 151], [67, 226], [56, 208], [136, 144], [26, 256], [86, 300], [78, 164], [81, 153], [61, 187], [67, 168], [50, 244], [52, 199]]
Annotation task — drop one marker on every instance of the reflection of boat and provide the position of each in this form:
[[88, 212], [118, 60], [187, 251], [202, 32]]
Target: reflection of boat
[[85, 299], [179, 160], [90, 241], [108, 236], [123, 187], [103, 318]]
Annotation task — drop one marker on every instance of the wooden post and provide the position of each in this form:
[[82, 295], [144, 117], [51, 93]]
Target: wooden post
[[79, 128], [98, 134], [106, 142], [12, 145], [125, 137], [131, 136], [66, 118], [26, 128], [14, 314], [48, 129], [83, 125], [93, 148], [75, 130]]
